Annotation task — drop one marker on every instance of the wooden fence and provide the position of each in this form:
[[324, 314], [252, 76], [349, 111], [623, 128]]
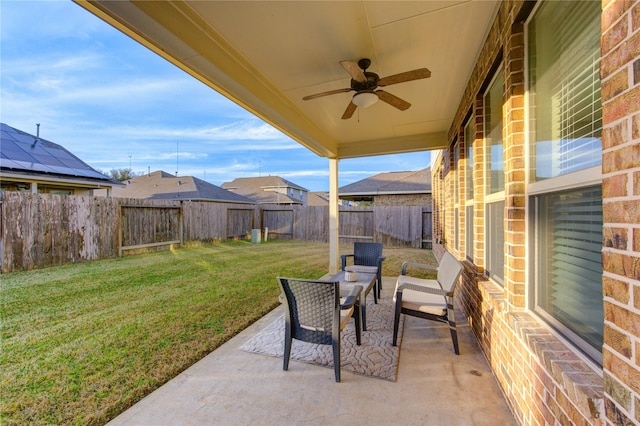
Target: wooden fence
[[41, 230], [396, 226]]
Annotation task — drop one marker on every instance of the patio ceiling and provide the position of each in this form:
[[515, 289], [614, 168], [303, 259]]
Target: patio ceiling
[[267, 55]]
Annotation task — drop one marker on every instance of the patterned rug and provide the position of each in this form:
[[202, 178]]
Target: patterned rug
[[375, 357]]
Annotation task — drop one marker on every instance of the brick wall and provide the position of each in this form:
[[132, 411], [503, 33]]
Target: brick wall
[[545, 380], [620, 73]]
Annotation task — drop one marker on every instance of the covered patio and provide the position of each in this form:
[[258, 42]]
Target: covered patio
[[434, 386], [271, 57], [502, 75]]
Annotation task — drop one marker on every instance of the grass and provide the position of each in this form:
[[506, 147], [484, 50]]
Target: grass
[[81, 343]]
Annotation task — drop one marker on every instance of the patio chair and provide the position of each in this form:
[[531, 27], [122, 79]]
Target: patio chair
[[316, 314], [367, 258], [429, 299]]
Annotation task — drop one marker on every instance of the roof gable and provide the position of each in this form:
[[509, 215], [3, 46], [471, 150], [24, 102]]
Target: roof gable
[[26, 153], [262, 182], [265, 189], [162, 185], [411, 182]]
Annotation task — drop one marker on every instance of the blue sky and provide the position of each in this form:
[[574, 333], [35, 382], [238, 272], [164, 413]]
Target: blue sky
[[115, 104]]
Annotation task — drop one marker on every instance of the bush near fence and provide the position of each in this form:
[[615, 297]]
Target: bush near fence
[[41, 230]]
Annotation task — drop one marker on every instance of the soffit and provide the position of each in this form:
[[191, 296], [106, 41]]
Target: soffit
[[267, 55]]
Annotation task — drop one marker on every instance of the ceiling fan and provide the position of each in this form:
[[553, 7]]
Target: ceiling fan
[[365, 83]]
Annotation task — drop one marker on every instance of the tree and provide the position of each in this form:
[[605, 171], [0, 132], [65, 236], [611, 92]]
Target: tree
[[122, 174]]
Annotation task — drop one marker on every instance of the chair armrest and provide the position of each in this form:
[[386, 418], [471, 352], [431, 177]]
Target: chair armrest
[[352, 297], [343, 258], [423, 289], [417, 265]]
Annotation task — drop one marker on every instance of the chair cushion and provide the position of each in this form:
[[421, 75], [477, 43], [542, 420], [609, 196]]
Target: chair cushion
[[424, 302], [362, 268]]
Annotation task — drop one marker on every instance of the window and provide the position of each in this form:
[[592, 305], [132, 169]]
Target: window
[[456, 164], [495, 241], [469, 234], [569, 264], [456, 196], [565, 126], [564, 88], [493, 135], [469, 137], [469, 130], [456, 228], [494, 222]]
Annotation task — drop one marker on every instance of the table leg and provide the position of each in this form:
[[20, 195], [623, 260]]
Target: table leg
[[363, 310]]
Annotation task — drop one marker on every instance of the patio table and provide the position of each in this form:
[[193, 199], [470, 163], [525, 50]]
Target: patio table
[[365, 280]]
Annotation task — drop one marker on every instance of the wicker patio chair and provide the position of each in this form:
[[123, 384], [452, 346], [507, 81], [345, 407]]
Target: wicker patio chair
[[315, 314], [367, 258], [429, 299]]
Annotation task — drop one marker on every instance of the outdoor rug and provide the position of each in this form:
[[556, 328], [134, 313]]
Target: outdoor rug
[[375, 357]]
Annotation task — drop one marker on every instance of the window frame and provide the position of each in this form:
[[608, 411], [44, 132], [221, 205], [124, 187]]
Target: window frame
[[498, 196], [469, 190], [456, 194], [565, 332], [584, 178]]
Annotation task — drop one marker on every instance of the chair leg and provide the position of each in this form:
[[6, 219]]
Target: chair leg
[[375, 292], [451, 319], [358, 325], [287, 348], [336, 358], [396, 319], [454, 336]]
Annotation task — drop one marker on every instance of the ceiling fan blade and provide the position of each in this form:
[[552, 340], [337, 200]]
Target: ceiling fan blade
[[330, 92], [404, 76], [393, 100], [354, 71], [351, 108]]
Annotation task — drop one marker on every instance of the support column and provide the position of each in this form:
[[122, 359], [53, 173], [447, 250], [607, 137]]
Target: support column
[[333, 216]]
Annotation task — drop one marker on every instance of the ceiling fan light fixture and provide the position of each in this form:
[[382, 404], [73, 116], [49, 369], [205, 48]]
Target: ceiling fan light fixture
[[365, 98]]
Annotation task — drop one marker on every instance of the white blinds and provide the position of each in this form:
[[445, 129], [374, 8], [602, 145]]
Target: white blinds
[[569, 260], [564, 76]]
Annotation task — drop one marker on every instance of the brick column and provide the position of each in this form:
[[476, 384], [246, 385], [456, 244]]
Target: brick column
[[514, 168], [447, 201], [620, 72], [478, 186]]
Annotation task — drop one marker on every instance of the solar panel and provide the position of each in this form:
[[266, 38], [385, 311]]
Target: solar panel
[[24, 152]]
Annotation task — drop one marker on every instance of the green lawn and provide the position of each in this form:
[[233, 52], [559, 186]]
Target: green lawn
[[81, 343]]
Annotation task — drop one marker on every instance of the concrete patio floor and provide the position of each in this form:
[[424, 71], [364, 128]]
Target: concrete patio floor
[[233, 387]]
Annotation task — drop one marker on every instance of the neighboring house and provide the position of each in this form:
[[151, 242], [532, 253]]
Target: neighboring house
[[161, 185], [268, 190], [391, 189], [29, 163], [318, 199]]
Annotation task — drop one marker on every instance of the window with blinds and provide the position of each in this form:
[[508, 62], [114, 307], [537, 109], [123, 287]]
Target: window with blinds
[[469, 130], [569, 263], [564, 88], [456, 172], [456, 228], [469, 232], [495, 241], [565, 110], [493, 135]]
